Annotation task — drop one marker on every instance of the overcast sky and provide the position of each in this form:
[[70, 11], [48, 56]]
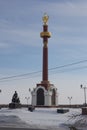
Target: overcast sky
[[21, 47]]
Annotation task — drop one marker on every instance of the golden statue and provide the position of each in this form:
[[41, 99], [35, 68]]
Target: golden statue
[[45, 18]]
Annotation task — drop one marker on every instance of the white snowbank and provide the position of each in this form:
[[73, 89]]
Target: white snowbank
[[46, 118]]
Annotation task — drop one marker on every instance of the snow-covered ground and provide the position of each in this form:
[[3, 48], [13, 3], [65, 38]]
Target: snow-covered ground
[[45, 118]]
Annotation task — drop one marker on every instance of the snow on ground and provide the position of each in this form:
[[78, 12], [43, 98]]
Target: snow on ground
[[45, 118]]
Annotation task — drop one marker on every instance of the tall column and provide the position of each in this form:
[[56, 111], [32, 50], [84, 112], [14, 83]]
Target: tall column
[[45, 55], [45, 35], [45, 94]]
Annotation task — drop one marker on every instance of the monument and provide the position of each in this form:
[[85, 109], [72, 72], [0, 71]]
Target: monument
[[45, 94], [15, 101]]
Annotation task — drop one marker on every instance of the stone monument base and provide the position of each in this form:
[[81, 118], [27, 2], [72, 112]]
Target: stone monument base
[[84, 111], [62, 110], [14, 105], [44, 97], [31, 108]]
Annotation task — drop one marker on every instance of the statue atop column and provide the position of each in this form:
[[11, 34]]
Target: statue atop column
[[45, 18]]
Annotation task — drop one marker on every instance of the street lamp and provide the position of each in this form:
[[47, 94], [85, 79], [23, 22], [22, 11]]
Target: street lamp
[[27, 98], [29, 90], [84, 88], [70, 100]]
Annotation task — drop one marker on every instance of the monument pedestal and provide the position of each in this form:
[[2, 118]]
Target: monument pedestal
[[44, 97], [14, 105], [84, 110]]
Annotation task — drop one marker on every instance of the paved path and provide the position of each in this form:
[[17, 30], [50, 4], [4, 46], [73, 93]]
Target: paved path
[[14, 123], [2, 128], [9, 128]]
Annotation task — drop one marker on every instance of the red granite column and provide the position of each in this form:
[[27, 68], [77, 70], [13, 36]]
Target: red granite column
[[45, 35], [45, 55], [45, 64]]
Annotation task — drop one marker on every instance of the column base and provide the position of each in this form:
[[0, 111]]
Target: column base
[[45, 84]]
